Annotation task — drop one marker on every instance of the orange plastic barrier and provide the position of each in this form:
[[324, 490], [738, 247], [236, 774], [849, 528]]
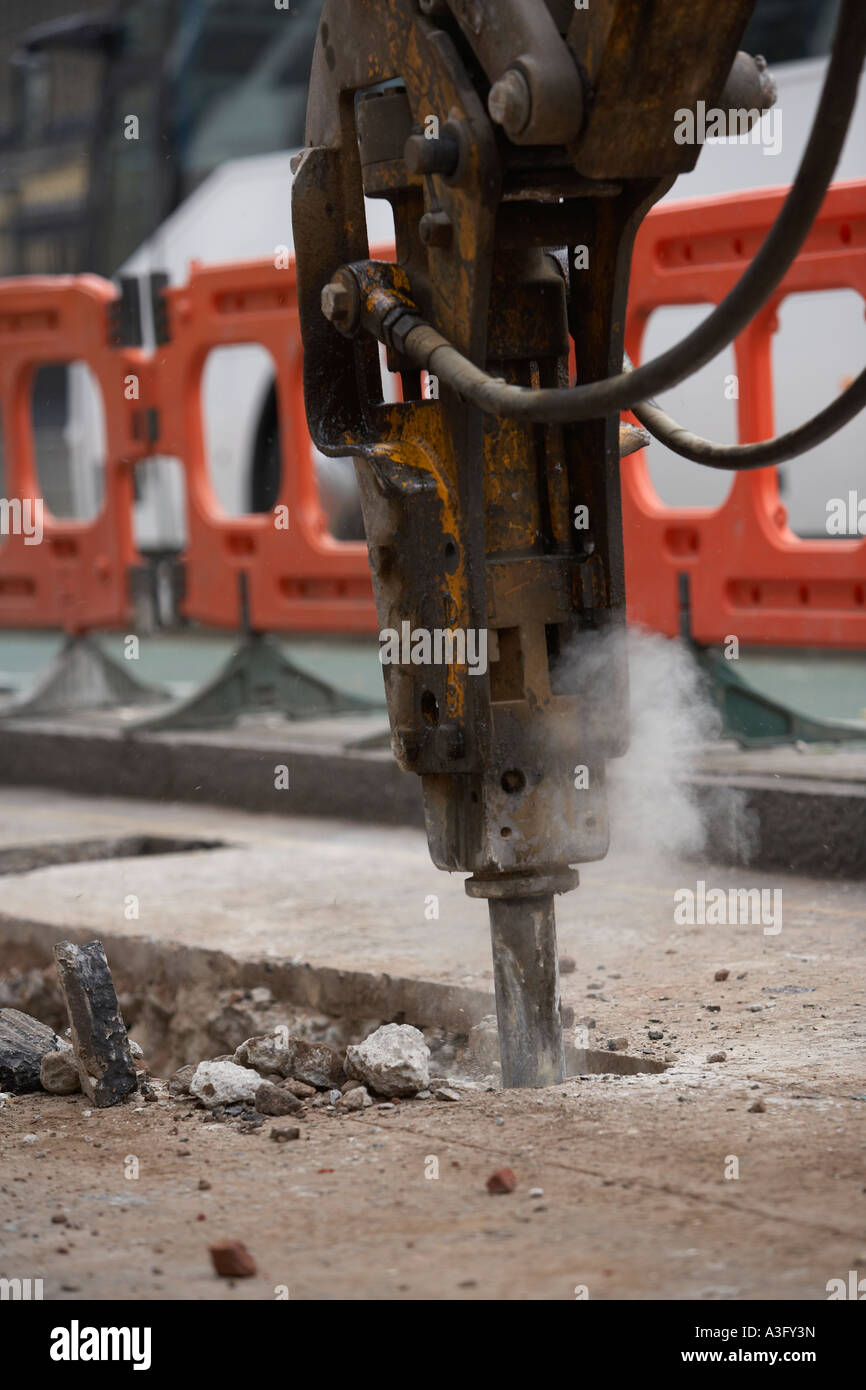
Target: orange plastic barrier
[[77, 577], [298, 579], [750, 575]]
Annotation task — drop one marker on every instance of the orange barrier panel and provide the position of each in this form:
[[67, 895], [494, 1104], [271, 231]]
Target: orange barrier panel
[[750, 575], [300, 579], [77, 577]]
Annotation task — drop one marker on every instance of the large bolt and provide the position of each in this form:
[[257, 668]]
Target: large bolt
[[425, 156], [436, 229], [510, 102], [340, 306]]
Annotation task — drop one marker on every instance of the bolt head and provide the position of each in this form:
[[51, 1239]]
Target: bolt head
[[510, 102]]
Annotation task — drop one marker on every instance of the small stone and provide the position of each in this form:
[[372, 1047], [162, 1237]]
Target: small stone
[[536, 1191], [394, 1060], [334, 1097], [713, 1008], [503, 1180], [617, 1044], [179, 1082], [757, 1107], [423, 1095], [655, 1035], [59, 1218], [446, 1093], [386, 1105], [136, 1049], [224, 1083], [285, 1133], [298, 1088], [567, 965], [721, 974], [24, 1041], [59, 1073], [232, 1260], [203, 1185], [357, 1099], [718, 1057], [350, 1085], [274, 1100]]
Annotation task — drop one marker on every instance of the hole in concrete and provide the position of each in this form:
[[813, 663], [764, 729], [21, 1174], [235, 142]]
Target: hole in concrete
[[20, 859]]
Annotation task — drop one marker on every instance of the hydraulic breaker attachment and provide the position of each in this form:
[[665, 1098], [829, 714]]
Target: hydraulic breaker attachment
[[520, 143]]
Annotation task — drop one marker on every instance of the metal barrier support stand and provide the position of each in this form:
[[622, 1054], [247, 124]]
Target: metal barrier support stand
[[257, 678], [749, 718], [80, 678]]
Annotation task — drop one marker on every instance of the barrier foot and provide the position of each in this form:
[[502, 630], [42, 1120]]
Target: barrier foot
[[80, 677], [257, 678], [754, 720]]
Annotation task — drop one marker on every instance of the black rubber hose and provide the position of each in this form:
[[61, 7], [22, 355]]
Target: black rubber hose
[[430, 351], [760, 455]]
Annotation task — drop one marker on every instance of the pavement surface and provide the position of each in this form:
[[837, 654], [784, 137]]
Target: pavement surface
[[666, 1184]]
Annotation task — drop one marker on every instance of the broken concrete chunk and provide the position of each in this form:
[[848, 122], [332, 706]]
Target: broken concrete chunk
[[24, 1041], [357, 1099], [179, 1083], [315, 1064], [223, 1083], [99, 1036], [59, 1073], [274, 1100], [265, 1054], [395, 1060]]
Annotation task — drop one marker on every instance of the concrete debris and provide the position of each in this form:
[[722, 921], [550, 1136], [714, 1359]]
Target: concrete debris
[[284, 1134], [357, 1099], [275, 1100], [232, 1260], [24, 1041], [179, 1083], [224, 1083], [300, 1088], [315, 1064], [394, 1061], [59, 1073], [99, 1036], [264, 1054], [502, 1181]]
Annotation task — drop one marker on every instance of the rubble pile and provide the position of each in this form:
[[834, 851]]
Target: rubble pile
[[271, 1075]]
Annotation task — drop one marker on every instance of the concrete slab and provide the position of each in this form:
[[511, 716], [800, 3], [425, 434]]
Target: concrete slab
[[345, 916]]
